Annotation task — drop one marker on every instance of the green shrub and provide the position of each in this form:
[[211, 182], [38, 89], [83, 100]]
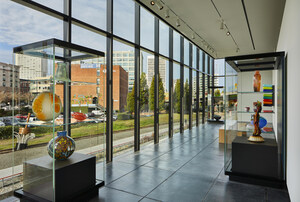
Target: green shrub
[[6, 132], [124, 116]]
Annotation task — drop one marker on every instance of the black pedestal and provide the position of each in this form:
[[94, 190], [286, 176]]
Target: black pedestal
[[75, 179], [259, 159], [255, 163]]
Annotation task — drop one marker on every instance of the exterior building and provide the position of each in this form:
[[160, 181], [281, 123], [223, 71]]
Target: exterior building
[[31, 67], [85, 94], [9, 74], [162, 66], [24, 86], [125, 59], [40, 84]]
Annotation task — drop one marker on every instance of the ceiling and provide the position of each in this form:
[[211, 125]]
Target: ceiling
[[202, 17]]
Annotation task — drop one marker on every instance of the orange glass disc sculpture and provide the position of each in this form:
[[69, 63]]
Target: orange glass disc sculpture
[[42, 106], [79, 116]]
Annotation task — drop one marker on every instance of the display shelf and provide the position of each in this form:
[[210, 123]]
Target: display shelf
[[58, 82], [243, 112], [50, 123], [252, 92]]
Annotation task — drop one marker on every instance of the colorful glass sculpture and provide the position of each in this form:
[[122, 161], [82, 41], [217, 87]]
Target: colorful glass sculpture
[[79, 116], [64, 146], [42, 106]]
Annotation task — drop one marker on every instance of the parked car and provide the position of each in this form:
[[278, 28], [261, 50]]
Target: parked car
[[10, 121], [2, 124], [115, 118], [98, 112]]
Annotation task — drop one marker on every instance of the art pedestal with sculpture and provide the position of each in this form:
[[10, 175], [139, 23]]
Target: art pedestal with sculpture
[[74, 179]]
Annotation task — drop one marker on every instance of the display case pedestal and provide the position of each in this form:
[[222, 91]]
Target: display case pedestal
[[255, 163], [75, 179]]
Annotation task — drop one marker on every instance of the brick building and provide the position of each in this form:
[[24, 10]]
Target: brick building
[[84, 94]]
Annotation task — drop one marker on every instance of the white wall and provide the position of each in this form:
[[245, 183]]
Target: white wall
[[289, 41]]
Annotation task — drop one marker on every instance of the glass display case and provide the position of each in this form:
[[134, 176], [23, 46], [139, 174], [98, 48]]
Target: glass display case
[[58, 124], [255, 122]]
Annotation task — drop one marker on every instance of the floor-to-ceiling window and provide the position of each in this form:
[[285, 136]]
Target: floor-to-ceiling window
[[91, 27]]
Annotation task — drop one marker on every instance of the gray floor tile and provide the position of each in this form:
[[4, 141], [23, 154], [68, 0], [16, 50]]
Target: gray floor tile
[[149, 200], [141, 181], [235, 192], [277, 195], [112, 195], [182, 187]]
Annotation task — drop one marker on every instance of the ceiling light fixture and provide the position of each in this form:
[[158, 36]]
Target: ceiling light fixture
[[159, 5], [222, 25], [167, 15], [227, 33], [193, 36], [152, 3], [178, 22], [237, 49]]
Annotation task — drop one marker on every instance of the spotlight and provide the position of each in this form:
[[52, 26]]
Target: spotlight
[[152, 3], [177, 22], [159, 5], [193, 36], [237, 49], [167, 13], [222, 25], [227, 33]]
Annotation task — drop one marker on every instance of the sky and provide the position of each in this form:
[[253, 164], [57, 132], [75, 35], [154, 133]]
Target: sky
[[20, 25]]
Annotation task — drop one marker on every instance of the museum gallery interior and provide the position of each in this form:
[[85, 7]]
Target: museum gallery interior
[[139, 100]]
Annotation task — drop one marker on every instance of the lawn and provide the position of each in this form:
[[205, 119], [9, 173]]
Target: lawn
[[86, 129]]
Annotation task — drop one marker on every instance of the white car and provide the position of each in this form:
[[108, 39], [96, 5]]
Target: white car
[[98, 112], [2, 124]]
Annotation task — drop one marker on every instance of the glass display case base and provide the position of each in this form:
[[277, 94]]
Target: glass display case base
[[74, 180]]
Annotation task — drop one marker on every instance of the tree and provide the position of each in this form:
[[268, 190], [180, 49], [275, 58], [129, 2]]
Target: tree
[[217, 93], [131, 100], [161, 94], [177, 96], [144, 92], [187, 96]]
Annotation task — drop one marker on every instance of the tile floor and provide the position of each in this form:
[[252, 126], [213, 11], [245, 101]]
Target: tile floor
[[186, 168]]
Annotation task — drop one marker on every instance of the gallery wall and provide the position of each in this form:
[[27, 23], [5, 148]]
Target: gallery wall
[[289, 41]]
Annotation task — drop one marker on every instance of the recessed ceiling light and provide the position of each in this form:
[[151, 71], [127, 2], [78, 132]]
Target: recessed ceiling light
[[178, 22], [227, 33], [167, 13], [152, 3], [222, 25]]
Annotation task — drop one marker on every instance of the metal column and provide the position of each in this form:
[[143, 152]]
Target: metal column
[[109, 83], [171, 90], [203, 88], [197, 87], [156, 74], [181, 84], [190, 108], [137, 64], [67, 33]]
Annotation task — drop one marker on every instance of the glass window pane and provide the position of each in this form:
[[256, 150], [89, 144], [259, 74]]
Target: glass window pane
[[124, 19], [123, 97], [91, 12], [163, 85], [147, 29], [186, 96], [21, 25], [194, 100], [176, 97], [194, 56], [201, 61], [163, 38], [176, 46], [200, 96], [89, 39], [54, 4], [206, 63], [147, 97], [186, 52]]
